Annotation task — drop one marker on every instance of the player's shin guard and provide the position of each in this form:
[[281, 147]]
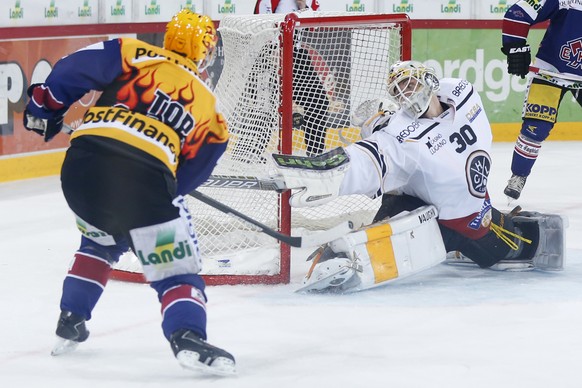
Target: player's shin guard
[[84, 284], [525, 154], [183, 304], [183, 307], [184, 324]]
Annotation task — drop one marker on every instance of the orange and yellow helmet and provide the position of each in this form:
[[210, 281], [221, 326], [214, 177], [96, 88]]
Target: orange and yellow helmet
[[190, 34]]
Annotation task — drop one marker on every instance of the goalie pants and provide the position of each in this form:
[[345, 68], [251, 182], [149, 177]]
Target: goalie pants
[[484, 251], [117, 188]]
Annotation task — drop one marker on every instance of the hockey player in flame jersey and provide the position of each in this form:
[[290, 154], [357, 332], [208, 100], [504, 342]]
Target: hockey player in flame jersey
[[434, 150], [154, 135]]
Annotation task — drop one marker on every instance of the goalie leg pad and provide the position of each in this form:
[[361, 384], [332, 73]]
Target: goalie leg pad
[[549, 254], [166, 250], [382, 253], [545, 252]]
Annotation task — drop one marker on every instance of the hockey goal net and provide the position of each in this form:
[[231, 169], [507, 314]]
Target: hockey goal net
[[288, 85]]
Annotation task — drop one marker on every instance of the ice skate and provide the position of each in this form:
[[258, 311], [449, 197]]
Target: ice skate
[[195, 354], [71, 331], [515, 186]]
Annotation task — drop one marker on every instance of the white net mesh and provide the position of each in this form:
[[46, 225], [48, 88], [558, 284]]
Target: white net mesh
[[335, 69]]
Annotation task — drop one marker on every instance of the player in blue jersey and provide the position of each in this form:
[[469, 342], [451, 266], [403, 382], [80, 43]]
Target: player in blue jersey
[[558, 66], [154, 135]]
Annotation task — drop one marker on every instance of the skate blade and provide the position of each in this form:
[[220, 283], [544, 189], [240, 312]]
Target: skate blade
[[64, 346], [222, 366], [513, 266]]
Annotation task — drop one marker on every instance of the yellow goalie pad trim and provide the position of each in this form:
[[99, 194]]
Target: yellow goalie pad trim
[[381, 252]]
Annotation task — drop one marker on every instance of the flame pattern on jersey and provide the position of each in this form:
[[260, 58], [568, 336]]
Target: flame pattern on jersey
[[164, 85]]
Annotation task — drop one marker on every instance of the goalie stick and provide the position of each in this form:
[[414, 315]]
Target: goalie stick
[[309, 240]]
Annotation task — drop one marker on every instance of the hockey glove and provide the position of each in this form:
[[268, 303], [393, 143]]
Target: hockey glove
[[44, 114], [315, 180], [518, 58]]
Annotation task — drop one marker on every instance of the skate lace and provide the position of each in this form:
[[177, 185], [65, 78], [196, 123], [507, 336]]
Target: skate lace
[[505, 236]]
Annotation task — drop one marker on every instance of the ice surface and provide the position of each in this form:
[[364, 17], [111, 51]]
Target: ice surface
[[447, 327]]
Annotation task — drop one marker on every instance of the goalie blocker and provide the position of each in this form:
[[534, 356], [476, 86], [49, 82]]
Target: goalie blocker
[[411, 242], [315, 180]]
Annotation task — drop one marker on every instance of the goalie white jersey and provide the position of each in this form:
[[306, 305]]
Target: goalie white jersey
[[443, 160]]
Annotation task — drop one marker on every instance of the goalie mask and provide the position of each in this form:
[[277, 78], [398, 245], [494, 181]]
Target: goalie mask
[[411, 85], [191, 35]]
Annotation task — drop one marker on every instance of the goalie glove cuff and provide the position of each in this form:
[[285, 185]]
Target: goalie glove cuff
[[318, 188]]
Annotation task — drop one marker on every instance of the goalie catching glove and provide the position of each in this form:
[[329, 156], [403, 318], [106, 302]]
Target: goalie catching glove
[[315, 180], [371, 115], [44, 114]]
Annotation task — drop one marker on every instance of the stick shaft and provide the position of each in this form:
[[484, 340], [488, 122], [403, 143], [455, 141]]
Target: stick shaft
[[569, 77], [290, 240], [308, 240]]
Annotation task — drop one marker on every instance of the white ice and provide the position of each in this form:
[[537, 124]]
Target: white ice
[[447, 327]]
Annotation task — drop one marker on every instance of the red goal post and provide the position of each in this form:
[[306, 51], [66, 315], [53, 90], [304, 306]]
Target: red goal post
[[289, 85]]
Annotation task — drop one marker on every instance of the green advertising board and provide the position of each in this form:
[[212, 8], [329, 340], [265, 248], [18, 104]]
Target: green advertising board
[[474, 54]]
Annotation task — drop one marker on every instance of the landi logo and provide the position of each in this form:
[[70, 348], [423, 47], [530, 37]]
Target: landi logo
[[404, 6], [166, 250], [227, 7], [356, 6], [451, 7], [85, 10], [52, 11], [189, 6], [118, 9], [17, 12], [500, 8], [82, 226], [153, 8], [535, 4]]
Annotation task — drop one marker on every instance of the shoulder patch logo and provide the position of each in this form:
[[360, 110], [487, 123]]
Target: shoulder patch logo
[[473, 113], [477, 170]]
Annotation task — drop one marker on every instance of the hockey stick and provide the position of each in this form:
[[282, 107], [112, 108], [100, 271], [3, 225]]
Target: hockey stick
[[244, 182], [309, 240], [67, 129], [569, 77]]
